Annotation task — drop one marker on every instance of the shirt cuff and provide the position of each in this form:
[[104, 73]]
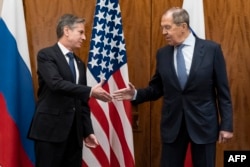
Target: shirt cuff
[[134, 97]]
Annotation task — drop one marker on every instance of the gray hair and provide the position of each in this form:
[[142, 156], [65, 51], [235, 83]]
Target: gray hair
[[67, 20], [179, 15]]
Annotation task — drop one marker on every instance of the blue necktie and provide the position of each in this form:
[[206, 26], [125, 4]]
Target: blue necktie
[[181, 67], [72, 65]]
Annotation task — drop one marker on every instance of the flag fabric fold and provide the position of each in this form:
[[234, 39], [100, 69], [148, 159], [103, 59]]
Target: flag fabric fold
[[197, 25], [17, 102], [196, 14], [107, 61]]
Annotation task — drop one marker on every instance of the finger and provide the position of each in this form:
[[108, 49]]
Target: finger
[[220, 139], [115, 97], [106, 98], [120, 91], [102, 82], [131, 86], [118, 98], [96, 142], [90, 145], [116, 94]]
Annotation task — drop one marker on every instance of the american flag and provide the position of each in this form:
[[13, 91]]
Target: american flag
[[107, 61]]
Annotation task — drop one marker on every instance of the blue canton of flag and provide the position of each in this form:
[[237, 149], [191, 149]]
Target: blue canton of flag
[[107, 51]]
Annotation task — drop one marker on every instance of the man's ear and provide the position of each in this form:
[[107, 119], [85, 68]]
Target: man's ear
[[184, 25], [66, 31]]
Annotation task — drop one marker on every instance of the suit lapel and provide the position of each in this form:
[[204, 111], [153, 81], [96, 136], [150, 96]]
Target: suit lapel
[[172, 72], [64, 63], [81, 70], [198, 56]]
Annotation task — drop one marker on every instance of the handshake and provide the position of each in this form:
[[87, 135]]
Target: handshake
[[122, 94], [99, 93]]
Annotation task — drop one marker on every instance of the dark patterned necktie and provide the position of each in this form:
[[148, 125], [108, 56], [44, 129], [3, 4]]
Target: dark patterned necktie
[[72, 65]]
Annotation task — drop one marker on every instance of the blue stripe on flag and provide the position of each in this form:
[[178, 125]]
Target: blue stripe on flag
[[16, 86]]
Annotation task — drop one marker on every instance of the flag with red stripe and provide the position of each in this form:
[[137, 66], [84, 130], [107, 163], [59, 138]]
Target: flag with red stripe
[[17, 102], [107, 61], [197, 25]]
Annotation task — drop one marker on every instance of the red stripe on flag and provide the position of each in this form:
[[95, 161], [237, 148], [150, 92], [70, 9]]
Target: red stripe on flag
[[99, 115], [98, 152], [101, 156], [117, 124], [84, 164], [127, 108], [12, 153], [120, 83], [113, 159], [101, 118], [119, 79]]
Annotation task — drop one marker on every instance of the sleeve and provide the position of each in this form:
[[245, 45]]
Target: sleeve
[[223, 91]]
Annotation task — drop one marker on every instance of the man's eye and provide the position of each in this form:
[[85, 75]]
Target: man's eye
[[166, 27]]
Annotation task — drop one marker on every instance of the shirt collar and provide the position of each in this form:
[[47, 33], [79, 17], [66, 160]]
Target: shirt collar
[[190, 40], [63, 48]]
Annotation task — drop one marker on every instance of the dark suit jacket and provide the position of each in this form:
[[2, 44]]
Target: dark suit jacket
[[205, 98], [59, 99]]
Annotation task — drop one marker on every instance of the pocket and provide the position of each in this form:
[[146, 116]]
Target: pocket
[[50, 111]]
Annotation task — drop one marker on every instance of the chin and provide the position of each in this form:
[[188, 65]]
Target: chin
[[170, 43]]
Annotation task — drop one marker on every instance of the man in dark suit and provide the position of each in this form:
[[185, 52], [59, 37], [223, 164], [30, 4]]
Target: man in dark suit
[[197, 105], [62, 118]]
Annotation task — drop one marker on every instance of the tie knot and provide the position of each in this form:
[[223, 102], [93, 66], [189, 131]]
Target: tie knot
[[70, 55], [179, 47]]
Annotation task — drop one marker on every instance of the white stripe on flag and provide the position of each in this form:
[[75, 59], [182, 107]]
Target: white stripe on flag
[[196, 14], [14, 20]]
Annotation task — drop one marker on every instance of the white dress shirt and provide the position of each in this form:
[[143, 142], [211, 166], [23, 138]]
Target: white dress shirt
[[188, 51], [65, 51]]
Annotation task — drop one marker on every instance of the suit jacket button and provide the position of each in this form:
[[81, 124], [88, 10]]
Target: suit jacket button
[[74, 108]]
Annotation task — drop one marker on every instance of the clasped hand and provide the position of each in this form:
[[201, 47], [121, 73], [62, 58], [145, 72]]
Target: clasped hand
[[99, 93], [125, 93], [122, 94]]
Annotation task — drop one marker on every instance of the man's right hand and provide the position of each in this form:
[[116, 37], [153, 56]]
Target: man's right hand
[[125, 93], [99, 93]]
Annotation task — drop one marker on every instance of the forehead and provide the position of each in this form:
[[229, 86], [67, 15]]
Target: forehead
[[79, 26], [167, 19]]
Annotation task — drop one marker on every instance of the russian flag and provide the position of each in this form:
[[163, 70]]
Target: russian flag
[[197, 24], [196, 14], [17, 101]]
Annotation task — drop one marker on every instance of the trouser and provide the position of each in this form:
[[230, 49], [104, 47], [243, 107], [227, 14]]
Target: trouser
[[174, 154], [64, 154]]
